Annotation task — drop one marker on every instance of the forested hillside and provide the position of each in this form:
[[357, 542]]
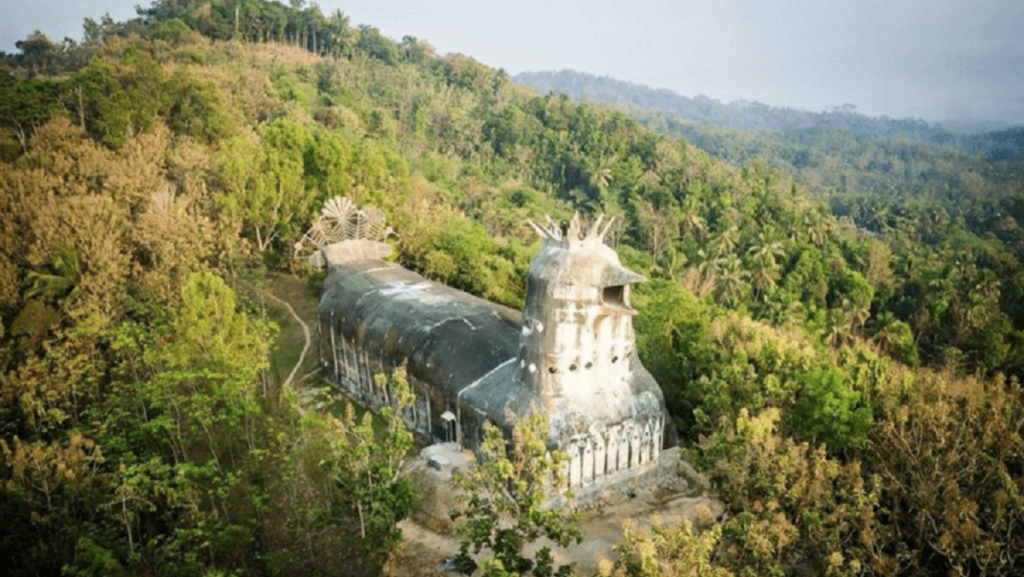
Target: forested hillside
[[787, 137], [752, 115], [852, 390], [747, 115]]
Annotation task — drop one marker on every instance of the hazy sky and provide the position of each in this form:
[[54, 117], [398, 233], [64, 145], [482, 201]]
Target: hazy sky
[[934, 59]]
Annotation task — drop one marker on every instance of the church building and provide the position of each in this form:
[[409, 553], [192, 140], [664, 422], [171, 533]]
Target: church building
[[571, 353]]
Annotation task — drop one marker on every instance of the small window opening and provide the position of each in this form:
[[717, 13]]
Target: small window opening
[[572, 367], [588, 365], [552, 370], [614, 295], [615, 359]]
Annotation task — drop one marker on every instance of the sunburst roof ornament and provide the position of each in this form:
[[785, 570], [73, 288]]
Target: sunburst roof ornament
[[341, 222]]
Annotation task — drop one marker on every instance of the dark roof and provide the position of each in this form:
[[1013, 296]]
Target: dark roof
[[451, 338]]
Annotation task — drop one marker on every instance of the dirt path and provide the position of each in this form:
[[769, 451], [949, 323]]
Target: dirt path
[[305, 333], [293, 305]]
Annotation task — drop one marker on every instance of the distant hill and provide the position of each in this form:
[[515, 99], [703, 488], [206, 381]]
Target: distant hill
[[791, 122], [999, 144]]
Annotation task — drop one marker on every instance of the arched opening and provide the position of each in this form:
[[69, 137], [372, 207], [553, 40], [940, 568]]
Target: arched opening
[[614, 295]]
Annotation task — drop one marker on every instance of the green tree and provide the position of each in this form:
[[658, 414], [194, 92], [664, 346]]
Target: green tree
[[896, 338], [375, 45], [121, 97], [367, 466], [828, 410], [505, 499], [196, 108], [263, 182], [329, 165], [207, 388]]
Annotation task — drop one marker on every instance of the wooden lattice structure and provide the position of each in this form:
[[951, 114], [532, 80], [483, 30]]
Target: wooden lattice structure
[[341, 220]]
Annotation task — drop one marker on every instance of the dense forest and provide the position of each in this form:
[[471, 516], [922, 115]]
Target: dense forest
[[845, 367]]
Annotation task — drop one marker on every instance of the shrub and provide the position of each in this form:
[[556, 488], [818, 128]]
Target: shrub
[[791, 504], [504, 504], [828, 410], [951, 460]]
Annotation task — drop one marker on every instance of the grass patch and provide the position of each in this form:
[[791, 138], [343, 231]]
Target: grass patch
[[284, 357], [291, 338]]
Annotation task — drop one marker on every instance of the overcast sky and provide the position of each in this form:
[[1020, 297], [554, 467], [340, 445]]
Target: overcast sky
[[933, 59]]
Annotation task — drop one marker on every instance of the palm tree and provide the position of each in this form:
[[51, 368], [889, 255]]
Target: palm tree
[[703, 278], [765, 273], [691, 222], [731, 280], [839, 328], [887, 336], [59, 279], [858, 314], [766, 248], [707, 265], [983, 296], [726, 242], [601, 174]]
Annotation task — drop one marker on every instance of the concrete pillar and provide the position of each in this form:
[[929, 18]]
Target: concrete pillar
[[600, 454], [659, 433], [624, 447], [334, 353], [588, 460], [645, 444], [575, 464], [612, 450]]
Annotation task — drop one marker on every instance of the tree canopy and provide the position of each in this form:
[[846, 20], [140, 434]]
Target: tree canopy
[[841, 355]]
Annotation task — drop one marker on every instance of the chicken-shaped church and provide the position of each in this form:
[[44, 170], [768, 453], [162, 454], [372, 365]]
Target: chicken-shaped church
[[571, 353]]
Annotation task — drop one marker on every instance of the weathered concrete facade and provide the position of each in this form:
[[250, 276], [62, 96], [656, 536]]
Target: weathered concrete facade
[[572, 354]]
